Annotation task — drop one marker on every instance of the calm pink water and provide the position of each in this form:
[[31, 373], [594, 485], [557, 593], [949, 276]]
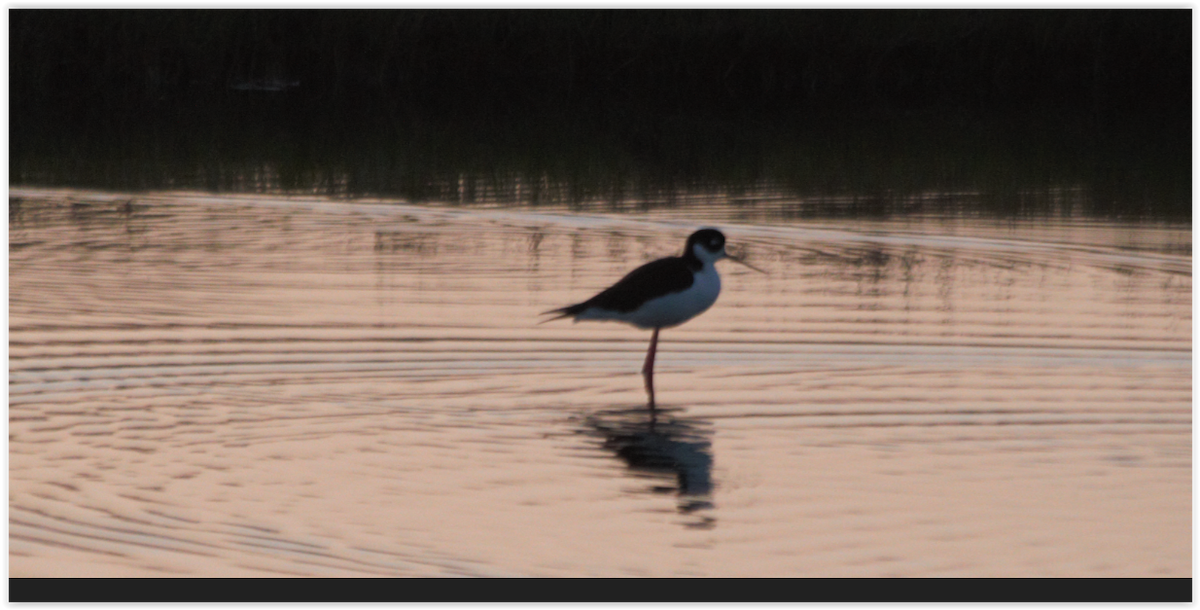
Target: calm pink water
[[248, 386]]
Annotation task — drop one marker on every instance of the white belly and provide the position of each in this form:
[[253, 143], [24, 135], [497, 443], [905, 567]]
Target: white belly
[[673, 309]]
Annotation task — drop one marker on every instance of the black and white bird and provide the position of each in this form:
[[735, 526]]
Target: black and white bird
[[660, 294]]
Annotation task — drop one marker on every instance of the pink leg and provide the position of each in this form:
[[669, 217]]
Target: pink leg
[[648, 368]]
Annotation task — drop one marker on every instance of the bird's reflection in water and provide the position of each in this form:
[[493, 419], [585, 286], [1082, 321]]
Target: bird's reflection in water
[[659, 445]]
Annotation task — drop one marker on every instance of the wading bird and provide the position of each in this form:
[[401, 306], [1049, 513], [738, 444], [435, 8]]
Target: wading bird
[[660, 294]]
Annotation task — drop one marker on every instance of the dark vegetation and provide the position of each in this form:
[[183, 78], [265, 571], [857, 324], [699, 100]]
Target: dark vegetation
[[584, 105]]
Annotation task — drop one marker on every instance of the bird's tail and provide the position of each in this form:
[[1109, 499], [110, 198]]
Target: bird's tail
[[562, 312]]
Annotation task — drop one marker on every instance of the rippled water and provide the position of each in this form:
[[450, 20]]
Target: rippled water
[[249, 386]]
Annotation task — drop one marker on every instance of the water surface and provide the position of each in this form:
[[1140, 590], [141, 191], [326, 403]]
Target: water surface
[[209, 385]]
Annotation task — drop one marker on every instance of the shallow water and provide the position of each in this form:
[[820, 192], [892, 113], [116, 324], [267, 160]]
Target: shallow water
[[256, 386]]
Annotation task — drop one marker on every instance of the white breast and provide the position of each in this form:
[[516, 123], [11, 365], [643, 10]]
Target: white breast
[[679, 307]]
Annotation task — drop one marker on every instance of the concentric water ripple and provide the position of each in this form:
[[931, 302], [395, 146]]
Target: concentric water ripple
[[248, 386]]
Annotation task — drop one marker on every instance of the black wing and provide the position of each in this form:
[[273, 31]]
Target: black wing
[[663, 276]]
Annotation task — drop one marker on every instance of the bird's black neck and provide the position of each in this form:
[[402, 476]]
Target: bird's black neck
[[692, 261]]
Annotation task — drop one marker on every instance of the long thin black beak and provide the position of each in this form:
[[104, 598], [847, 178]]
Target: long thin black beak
[[742, 262]]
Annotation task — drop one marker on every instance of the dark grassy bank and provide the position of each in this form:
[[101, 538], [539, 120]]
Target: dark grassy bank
[[611, 105]]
